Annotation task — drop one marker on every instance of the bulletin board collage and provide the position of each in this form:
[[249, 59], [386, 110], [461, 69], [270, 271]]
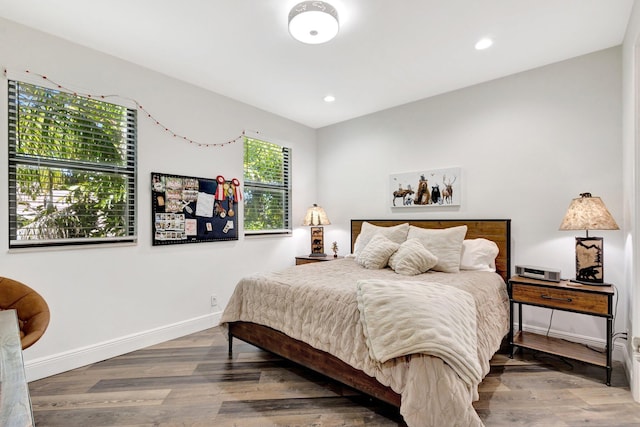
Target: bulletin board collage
[[193, 210]]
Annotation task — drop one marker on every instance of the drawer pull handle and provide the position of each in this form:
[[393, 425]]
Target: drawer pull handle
[[556, 299]]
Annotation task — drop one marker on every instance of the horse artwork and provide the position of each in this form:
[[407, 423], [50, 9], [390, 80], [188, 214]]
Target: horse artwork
[[403, 193], [427, 189]]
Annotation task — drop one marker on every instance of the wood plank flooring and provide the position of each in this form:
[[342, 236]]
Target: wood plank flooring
[[191, 382]]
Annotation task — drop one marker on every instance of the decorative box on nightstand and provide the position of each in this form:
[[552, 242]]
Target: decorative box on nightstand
[[566, 296], [309, 259]]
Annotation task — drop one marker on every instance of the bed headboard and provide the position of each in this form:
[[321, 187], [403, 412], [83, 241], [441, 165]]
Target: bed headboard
[[498, 230]]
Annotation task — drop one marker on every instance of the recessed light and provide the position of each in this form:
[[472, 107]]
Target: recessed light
[[484, 43], [329, 98]]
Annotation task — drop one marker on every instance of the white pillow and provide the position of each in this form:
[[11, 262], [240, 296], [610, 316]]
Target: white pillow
[[376, 254], [412, 258], [479, 254], [445, 244], [397, 233]]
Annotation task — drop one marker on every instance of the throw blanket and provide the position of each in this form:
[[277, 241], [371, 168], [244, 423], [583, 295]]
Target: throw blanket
[[400, 318]]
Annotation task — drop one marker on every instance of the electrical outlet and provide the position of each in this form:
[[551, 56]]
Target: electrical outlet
[[214, 301]]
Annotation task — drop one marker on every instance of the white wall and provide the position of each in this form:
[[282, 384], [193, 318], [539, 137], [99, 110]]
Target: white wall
[[106, 301], [527, 144], [631, 167]]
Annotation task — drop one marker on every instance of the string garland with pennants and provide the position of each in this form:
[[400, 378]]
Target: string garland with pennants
[[138, 106]]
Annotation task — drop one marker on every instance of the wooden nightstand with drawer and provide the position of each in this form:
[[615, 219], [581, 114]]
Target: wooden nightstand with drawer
[[309, 259], [566, 296]]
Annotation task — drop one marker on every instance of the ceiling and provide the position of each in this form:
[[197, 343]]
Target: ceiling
[[387, 53]]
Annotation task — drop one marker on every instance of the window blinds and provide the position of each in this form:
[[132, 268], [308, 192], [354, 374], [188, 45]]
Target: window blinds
[[267, 187], [72, 168]]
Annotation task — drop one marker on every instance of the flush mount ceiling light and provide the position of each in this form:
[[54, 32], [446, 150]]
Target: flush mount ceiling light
[[313, 22]]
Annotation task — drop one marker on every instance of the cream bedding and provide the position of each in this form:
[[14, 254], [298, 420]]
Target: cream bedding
[[317, 303]]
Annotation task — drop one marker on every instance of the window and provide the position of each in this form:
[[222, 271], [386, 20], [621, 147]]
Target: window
[[267, 187], [72, 169]]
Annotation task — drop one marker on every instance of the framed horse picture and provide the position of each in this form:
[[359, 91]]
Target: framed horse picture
[[427, 188]]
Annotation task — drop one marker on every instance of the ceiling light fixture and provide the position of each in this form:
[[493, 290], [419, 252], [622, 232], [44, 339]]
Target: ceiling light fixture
[[484, 43], [329, 98], [313, 22]]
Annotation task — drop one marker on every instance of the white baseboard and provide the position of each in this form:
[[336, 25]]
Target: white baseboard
[[633, 372], [632, 368], [73, 359], [619, 348]]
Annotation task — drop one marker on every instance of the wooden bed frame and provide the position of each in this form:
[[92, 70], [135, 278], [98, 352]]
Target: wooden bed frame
[[498, 230]]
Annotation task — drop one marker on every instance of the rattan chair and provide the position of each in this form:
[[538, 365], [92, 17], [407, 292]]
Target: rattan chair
[[32, 309]]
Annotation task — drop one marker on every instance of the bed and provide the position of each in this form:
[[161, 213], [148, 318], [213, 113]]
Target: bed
[[334, 318]]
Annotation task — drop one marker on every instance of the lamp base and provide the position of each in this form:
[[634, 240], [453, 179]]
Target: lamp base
[[317, 242], [589, 260]]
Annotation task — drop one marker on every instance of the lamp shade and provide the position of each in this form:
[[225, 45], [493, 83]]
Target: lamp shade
[[313, 22], [316, 216], [588, 213]]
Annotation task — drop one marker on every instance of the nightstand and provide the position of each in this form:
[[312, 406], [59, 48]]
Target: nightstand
[[566, 296], [309, 259]]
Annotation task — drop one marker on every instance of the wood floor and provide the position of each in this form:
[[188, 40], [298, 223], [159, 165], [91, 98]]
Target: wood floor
[[191, 382]]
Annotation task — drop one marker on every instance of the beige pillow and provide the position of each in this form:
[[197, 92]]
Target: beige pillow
[[377, 252], [412, 258], [397, 233], [479, 254], [445, 244]]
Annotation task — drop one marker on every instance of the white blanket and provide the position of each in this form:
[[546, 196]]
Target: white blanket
[[400, 318]]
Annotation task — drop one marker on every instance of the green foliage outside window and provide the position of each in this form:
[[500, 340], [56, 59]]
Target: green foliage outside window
[[266, 187], [71, 167]]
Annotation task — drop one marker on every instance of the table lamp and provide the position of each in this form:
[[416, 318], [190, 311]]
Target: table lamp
[[589, 213], [316, 217]]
